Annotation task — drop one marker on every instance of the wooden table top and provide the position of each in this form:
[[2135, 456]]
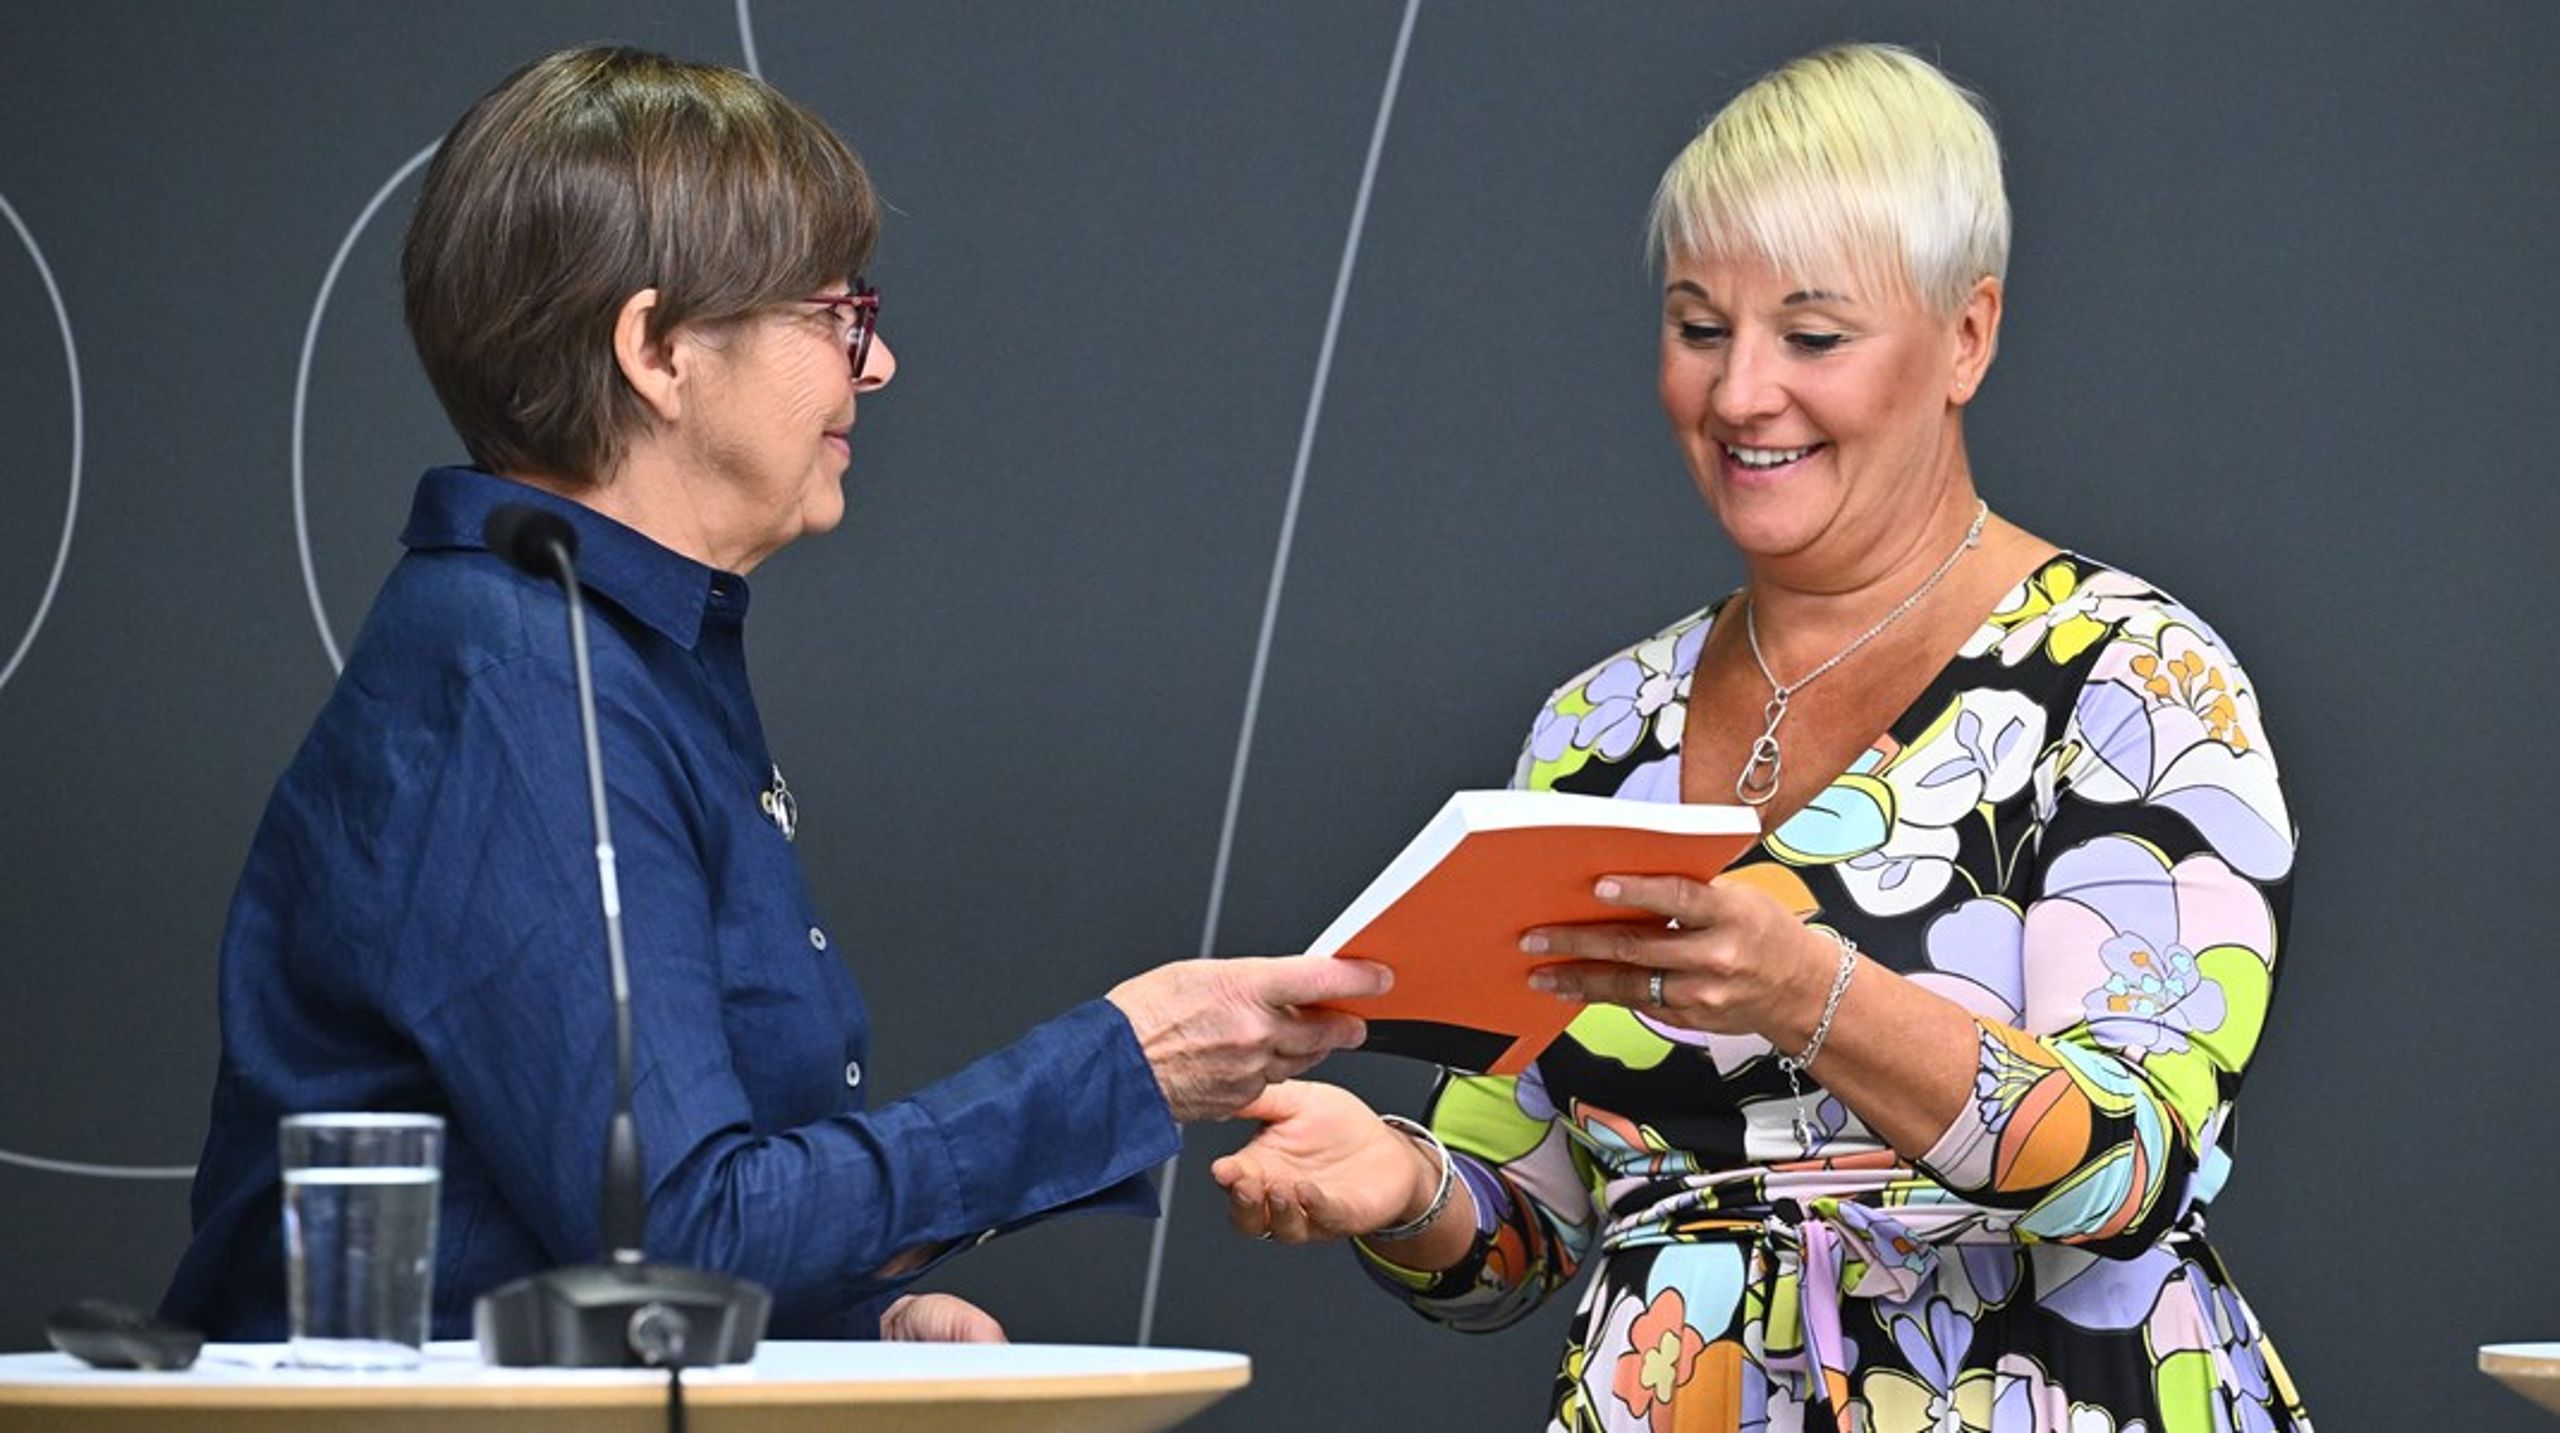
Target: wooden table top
[[2531, 1369], [834, 1387]]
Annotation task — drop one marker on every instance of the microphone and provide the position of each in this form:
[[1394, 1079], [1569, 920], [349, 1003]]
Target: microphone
[[524, 535], [624, 1312]]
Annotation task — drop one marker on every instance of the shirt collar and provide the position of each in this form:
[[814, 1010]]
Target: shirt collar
[[663, 588]]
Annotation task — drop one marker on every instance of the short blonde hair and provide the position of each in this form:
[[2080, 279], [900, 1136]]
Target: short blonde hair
[[1866, 155]]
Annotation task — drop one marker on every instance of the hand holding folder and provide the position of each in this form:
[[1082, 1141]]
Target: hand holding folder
[[1448, 912]]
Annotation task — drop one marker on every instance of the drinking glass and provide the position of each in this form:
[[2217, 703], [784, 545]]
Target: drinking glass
[[360, 1193]]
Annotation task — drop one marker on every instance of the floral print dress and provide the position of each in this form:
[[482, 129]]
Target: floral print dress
[[2076, 834]]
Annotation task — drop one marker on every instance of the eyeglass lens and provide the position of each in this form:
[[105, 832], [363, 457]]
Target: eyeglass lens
[[865, 313]]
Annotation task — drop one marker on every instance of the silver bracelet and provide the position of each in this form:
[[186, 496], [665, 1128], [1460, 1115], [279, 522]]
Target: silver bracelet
[[1439, 1204], [1790, 1064], [1830, 1007]]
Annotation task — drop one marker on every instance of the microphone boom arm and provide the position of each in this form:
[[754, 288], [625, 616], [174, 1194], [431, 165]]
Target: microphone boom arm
[[625, 1173], [623, 1311]]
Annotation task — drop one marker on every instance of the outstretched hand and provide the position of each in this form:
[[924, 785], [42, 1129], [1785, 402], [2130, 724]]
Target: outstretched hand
[[1324, 1167], [1217, 1032]]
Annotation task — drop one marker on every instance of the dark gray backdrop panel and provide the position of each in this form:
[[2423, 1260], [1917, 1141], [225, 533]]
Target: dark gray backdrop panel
[[2276, 339]]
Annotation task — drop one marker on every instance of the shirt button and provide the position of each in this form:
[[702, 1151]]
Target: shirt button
[[853, 1074], [817, 939]]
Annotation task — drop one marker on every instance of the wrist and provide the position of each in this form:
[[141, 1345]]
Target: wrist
[[1423, 1182], [1442, 1180], [1828, 971], [1816, 954]]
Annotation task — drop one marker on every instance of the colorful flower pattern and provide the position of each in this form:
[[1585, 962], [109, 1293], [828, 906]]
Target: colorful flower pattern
[[2077, 835], [1662, 1355]]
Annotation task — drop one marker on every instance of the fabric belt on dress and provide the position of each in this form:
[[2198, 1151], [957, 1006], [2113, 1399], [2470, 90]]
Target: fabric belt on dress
[[1814, 1248], [1893, 1263]]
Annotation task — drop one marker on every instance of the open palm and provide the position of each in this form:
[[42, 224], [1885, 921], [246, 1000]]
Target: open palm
[[1323, 1167]]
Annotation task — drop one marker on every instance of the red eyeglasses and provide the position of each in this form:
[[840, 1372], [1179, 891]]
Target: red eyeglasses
[[858, 314]]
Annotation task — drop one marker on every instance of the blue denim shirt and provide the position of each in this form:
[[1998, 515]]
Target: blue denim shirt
[[418, 928]]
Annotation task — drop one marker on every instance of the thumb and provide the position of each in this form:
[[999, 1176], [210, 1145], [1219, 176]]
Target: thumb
[[1282, 1101], [1315, 979]]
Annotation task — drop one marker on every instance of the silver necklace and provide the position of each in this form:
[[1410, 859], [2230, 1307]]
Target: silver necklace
[[1759, 779]]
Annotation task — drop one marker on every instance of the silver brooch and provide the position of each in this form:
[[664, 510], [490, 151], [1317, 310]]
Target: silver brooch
[[780, 807]]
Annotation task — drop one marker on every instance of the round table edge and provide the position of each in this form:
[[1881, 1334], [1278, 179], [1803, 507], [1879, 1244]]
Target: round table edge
[[812, 1393]]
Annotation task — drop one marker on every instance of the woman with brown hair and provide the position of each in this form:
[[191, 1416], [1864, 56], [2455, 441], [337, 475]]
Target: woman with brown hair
[[633, 284]]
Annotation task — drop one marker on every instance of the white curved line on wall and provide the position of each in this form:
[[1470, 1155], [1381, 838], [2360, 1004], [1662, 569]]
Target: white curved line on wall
[[1271, 601], [79, 437], [97, 1171], [61, 557], [302, 394], [747, 39]]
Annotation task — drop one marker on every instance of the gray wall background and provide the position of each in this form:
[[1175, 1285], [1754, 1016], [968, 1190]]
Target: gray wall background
[[2279, 336]]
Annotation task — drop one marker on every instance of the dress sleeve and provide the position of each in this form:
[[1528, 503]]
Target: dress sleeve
[[500, 984], [1536, 1210], [2153, 905]]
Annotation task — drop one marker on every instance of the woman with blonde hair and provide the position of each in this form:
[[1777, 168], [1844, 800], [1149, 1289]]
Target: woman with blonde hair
[[1910, 1121]]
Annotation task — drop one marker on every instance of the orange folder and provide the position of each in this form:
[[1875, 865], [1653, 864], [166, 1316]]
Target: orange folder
[[1447, 914]]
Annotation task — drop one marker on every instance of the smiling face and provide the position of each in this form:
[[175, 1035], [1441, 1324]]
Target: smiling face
[[1819, 414], [767, 427]]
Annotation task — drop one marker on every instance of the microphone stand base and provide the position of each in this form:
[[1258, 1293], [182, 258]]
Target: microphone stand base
[[621, 1316]]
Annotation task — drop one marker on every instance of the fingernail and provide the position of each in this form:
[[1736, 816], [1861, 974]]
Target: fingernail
[[1607, 890], [1534, 943], [1540, 980]]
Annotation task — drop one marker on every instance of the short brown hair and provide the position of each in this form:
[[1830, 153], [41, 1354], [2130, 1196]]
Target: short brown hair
[[586, 177]]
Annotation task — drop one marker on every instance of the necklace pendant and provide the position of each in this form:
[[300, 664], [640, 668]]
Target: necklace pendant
[[1758, 783]]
